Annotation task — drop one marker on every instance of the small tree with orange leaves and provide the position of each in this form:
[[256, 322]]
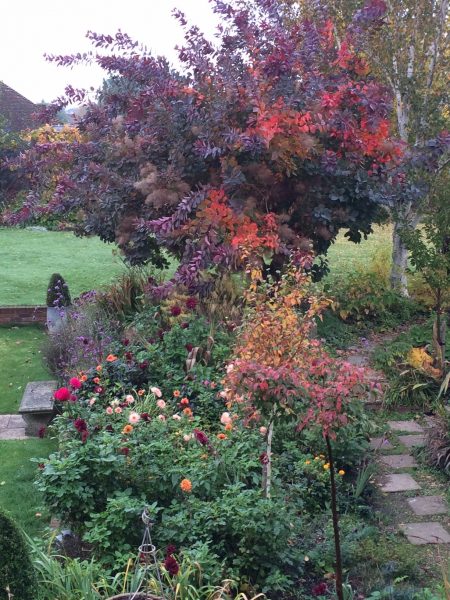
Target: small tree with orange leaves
[[281, 372]]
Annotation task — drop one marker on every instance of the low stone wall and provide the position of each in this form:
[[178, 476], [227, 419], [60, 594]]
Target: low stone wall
[[23, 315]]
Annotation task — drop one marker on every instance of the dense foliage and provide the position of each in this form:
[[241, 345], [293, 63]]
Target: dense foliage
[[271, 136]]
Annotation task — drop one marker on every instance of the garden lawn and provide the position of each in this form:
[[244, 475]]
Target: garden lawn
[[18, 495], [28, 258], [346, 257], [21, 362]]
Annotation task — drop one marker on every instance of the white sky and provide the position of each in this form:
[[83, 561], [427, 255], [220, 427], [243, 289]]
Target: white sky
[[30, 28]]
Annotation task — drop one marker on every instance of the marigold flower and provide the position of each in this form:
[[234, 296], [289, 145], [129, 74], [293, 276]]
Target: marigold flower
[[184, 401], [134, 417], [228, 426], [141, 392], [341, 472], [161, 404], [109, 410], [187, 411], [127, 429], [221, 436], [186, 486], [161, 417], [83, 378], [118, 410], [177, 393], [129, 399], [156, 391], [326, 466], [176, 417], [111, 358], [99, 368], [307, 462], [96, 380]]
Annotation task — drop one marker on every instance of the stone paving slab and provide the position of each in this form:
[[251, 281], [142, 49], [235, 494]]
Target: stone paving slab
[[399, 461], [399, 482], [428, 505], [407, 426], [16, 422], [419, 534], [4, 420], [379, 443], [412, 440], [13, 434]]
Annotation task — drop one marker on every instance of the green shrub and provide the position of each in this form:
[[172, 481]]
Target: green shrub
[[58, 294], [16, 570]]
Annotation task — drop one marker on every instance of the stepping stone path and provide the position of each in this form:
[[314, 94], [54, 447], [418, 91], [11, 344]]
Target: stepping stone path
[[417, 533], [12, 427]]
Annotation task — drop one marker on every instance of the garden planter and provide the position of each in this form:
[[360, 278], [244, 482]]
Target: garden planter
[[55, 317]]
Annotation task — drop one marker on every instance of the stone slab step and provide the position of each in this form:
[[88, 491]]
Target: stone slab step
[[379, 443], [419, 534], [410, 441], [428, 505], [399, 461], [399, 482], [406, 426]]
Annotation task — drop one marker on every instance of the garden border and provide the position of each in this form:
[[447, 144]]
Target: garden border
[[23, 315]]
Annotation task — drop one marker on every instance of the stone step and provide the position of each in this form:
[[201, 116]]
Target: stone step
[[12, 427], [428, 505], [419, 534], [406, 426], [380, 443], [399, 482], [410, 441], [399, 461]]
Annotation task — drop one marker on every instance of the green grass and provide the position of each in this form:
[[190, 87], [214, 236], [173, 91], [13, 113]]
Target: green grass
[[21, 362], [17, 492], [28, 258], [346, 257]]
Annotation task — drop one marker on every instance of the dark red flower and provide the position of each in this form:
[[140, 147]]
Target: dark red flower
[[184, 325], [263, 386], [73, 398], [171, 566], [264, 458], [145, 416], [98, 389], [171, 549], [75, 383], [80, 424], [161, 334], [129, 356], [84, 436], [125, 451], [143, 365], [320, 589], [201, 437], [42, 431], [189, 347], [109, 428], [41, 466], [175, 311], [125, 342], [62, 395], [191, 303]]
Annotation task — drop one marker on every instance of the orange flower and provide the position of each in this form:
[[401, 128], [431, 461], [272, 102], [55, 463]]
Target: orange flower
[[99, 368], [221, 436], [127, 429], [228, 426], [111, 358], [96, 380], [141, 392], [186, 486], [83, 378], [177, 393], [184, 401], [187, 411]]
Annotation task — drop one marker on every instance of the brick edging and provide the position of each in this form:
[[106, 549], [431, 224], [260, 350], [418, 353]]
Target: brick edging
[[23, 315]]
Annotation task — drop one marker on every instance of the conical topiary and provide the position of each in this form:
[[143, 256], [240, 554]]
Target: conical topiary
[[58, 292], [17, 576]]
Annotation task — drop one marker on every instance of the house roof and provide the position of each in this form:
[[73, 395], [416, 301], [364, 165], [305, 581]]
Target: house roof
[[15, 108]]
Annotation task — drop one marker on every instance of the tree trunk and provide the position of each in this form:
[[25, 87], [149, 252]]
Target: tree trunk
[[399, 262], [335, 515]]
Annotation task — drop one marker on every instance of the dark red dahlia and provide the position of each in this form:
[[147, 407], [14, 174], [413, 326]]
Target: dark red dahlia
[[125, 451], [171, 566], [320, 589], [84, 436], [264, 458], [145, 416], [42, 432], [171, 549], [184, 325], [175, 310], [191, 303], [125, 342], [143, 365], [189, 347], [201, 437], [80, 424]]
